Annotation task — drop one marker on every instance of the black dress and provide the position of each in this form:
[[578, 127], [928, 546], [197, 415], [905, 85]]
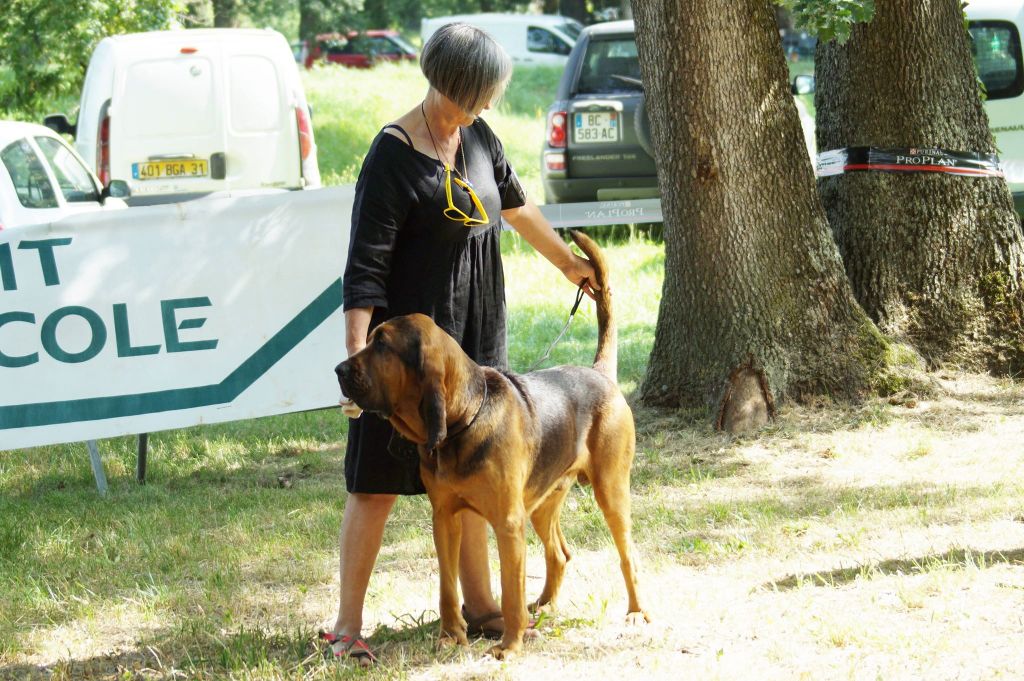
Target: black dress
[[405, 256]]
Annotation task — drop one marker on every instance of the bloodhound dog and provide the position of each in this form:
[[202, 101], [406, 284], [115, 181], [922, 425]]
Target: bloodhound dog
[[506, 446]]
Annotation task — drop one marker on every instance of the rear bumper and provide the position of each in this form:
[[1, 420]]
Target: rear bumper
[[573, 190]]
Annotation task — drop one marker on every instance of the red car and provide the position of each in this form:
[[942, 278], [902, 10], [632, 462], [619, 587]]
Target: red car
[[360, 50]]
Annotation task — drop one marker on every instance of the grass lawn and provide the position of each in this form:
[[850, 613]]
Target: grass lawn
[[876, 541], [884, 540]]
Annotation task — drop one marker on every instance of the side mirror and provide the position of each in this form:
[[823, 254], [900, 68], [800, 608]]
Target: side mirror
[[59, 124], [803, 85], [117, 189]]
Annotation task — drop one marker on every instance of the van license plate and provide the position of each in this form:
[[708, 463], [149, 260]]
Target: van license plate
[[600, 126], [161, 170]]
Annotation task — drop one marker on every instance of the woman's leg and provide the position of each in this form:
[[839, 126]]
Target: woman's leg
[[474, 568], [362, 531]]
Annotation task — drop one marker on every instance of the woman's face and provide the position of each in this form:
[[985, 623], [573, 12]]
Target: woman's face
[[474, 115]]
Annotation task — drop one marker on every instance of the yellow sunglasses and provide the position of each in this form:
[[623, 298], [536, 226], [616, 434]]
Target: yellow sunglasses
[[452, 212]]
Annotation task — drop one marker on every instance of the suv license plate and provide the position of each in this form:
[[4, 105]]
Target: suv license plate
[[597, 127], [160, 170]]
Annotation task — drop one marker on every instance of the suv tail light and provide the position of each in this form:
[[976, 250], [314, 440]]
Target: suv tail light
[[103, 147], [557, 129], [555, 161], [305, 128]]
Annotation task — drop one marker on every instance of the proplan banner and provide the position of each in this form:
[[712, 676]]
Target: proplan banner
[[169, 316], [909, 160]]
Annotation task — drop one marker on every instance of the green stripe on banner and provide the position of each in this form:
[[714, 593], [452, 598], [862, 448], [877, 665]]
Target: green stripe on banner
[[96, 408]]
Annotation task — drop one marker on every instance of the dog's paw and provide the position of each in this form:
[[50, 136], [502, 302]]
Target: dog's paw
[[500, 652], [452, 638], [635, 619], [538, 608]]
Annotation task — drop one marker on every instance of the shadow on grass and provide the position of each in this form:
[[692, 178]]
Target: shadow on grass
[[195, 649], [954, 558]]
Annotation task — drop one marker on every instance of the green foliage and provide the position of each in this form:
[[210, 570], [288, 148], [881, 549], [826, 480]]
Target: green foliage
[[830, 19], [46, 45]]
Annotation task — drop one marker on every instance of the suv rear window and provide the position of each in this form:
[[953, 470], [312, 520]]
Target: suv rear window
[[610, 66], [997, 55]]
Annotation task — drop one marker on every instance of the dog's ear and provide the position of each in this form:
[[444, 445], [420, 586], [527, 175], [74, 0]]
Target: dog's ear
[[434, 415], [432, 403]]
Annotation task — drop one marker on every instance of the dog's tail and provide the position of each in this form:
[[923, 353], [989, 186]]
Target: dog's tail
[[606, 360]]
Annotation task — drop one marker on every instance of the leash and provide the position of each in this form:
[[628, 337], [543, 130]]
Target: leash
[[572, 313]]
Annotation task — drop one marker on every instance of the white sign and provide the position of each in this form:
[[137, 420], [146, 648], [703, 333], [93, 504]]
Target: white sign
[[152, 318]]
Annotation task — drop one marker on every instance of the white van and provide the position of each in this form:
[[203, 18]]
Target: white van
[[181, 114], [996, 27], [530, 39]]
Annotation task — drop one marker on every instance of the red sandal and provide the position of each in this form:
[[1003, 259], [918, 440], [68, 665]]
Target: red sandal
[[348, 647]]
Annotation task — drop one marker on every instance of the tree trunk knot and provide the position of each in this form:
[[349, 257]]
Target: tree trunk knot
[[747, 404]]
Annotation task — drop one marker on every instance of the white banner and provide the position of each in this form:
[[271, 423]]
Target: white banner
[[161, 317], [152, 318]]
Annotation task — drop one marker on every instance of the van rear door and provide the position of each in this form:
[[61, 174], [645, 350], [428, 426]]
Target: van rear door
[[261, 138], [166, 120]]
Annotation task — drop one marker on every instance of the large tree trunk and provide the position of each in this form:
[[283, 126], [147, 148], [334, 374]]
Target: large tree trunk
[[933, 258], [225, 13], [756, 306]]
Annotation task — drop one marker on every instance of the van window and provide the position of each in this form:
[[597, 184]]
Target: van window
[[610, 66], [571, 29], [72, 177], [169, 98], [997, 55], [255, 94], [31, 183], [542, 40]]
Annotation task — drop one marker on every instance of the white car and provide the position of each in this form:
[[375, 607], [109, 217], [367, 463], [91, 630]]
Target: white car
[[42, 178]]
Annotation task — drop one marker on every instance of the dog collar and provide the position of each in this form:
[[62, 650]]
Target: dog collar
[[459, 431]]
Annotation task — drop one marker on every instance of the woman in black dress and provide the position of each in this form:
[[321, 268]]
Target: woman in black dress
[[426, 227]]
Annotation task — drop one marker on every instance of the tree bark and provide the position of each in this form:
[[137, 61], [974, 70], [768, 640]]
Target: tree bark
[[755, 306], [933, 258], [225, 13]]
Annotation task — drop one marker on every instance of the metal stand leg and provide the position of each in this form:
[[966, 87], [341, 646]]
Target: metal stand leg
[[140, 469], [97, 467]]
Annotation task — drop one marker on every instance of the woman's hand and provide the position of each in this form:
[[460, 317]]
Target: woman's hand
[[580, 272], [532, 225], [357, 321]]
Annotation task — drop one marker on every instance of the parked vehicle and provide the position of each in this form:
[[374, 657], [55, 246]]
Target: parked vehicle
[[799, 45], [181, 114], [598, 143], [360, 50], [996, 27], [42, 178], [530, 39]]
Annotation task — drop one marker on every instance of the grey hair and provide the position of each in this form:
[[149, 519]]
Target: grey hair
[[466, 65]]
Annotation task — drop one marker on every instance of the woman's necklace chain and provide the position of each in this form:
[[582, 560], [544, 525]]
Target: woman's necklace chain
[[462, 150]]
